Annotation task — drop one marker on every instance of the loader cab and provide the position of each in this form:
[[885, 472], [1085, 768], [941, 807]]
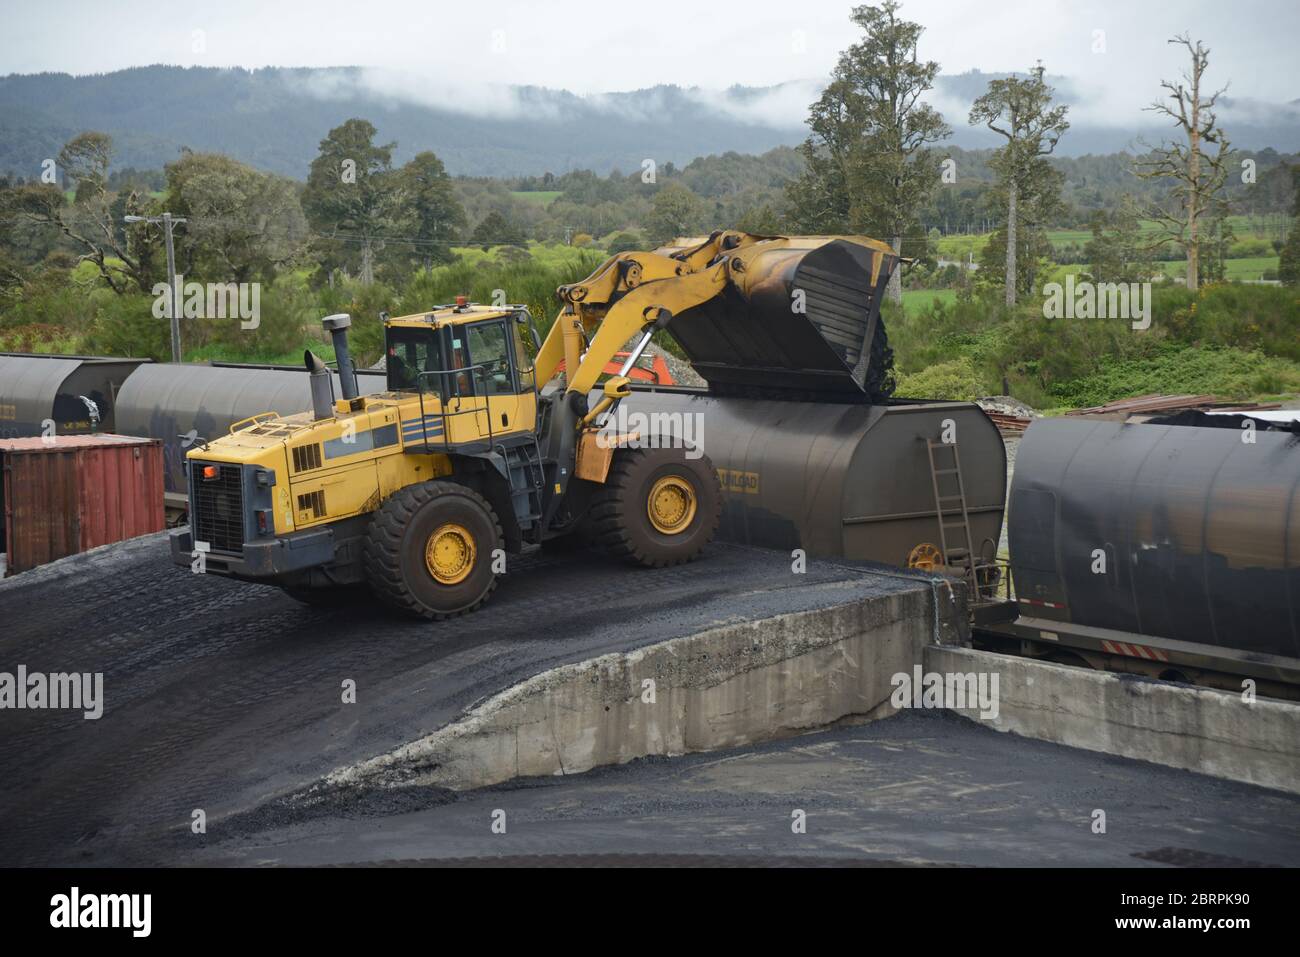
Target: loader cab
[[430, 358], [469, 366]]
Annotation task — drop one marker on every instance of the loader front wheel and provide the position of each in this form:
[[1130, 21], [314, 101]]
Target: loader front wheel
[[430, 548], [658, 506]]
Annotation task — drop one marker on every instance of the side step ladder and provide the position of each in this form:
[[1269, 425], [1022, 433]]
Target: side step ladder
[[953, 506], [527, 476]]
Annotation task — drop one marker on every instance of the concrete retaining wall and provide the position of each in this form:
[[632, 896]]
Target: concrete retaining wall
[[1199, 729], [726, 686]]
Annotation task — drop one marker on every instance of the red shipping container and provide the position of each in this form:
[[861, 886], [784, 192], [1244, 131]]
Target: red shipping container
[[74, 492]]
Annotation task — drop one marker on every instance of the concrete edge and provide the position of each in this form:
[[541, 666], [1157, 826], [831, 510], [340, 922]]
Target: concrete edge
[[1212, 732], [726, 686]]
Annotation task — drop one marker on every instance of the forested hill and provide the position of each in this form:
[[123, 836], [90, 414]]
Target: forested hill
[[274, 119]]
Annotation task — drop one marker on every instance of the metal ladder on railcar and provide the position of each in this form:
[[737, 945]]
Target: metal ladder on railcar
[[960, 556]]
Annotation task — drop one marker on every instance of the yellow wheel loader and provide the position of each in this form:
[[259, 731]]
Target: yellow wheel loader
[[476, 451]]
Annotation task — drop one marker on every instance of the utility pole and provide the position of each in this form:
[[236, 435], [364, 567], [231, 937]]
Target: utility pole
[[174, 312]]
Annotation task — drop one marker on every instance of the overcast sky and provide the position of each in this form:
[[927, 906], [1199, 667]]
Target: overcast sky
[[588, 46]]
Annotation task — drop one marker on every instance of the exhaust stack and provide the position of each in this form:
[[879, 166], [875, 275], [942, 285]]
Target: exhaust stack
[[337, 326], [322, 389]]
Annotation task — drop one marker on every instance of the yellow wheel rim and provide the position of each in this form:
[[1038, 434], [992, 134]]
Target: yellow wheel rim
[[449, 554], [925, 556], [671, 504]]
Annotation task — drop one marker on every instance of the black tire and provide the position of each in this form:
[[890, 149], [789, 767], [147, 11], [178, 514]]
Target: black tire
[[394, 556], [620, 518]]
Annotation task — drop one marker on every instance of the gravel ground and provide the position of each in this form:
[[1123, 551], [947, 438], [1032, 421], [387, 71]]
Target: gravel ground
[[917, 788], [225, 697], [682, 371], [221, 695]]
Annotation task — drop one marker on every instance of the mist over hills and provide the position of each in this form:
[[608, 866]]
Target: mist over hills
[[274, 119]]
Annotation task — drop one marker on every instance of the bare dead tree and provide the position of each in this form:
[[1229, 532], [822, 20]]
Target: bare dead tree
[[1198, 176]]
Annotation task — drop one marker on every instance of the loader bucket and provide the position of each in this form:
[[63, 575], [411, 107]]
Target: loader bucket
[[800, 320]]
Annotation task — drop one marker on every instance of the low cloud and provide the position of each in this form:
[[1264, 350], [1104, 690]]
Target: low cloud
[[782, 106], [1096, 108], [389, 87]]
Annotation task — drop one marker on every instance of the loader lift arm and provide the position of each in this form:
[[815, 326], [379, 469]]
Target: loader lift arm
[[631, 293]]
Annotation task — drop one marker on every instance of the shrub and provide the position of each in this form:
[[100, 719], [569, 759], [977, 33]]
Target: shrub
[[955, 379], [125, 326], [625, 242], [1250, 247], [1232, 373]]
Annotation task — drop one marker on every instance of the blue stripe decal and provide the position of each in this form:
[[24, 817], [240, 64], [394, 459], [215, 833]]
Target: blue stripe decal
[[415, 429]]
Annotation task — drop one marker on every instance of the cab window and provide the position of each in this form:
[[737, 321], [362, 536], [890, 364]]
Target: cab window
[[487, 348], [411, 352], [527, 379]]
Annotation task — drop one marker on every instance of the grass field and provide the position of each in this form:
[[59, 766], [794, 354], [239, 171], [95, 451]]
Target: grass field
[[1246, 268], [1251, 267], [920, 298], [1243, 227], [960, 246], [542, 197]]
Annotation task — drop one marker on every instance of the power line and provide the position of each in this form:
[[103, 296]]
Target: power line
[[343, 237]]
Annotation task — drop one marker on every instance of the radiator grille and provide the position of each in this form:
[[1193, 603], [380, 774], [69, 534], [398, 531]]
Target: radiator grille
[[306, 457], [218, 508], [313, 502]]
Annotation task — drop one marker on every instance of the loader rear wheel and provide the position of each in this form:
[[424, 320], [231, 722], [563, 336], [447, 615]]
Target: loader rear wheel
[[429, 550], [657, 507]]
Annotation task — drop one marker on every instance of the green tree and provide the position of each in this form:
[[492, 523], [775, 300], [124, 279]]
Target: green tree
[[84, 161], [626, 242], [241, 224], [433, 217], [1021, 112], [871, 133], [13, 272], [818, 201], [1033, 257], [1116, 252], [762, 220], [353, 196], [496, 230], [676, 212], [1288, 269]]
